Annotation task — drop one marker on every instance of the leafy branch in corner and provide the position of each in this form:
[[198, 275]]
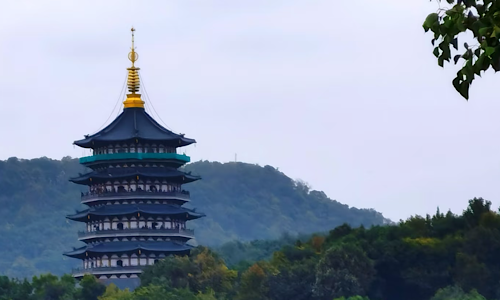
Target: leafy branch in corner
[[479, 17]]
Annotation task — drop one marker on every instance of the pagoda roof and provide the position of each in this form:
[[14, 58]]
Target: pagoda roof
[[132, 246], [134, 209], [132, 172], [134, 123]]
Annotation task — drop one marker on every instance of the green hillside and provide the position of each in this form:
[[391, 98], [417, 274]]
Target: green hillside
[[243, 202]]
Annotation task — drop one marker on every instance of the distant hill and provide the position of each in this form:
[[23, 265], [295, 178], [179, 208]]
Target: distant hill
[[242, 201]]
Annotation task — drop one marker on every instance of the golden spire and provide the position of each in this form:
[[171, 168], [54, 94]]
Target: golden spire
[[133, 82]]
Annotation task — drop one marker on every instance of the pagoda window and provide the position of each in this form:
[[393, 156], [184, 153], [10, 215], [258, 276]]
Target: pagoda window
[[133, 224], [142, 224], [114, 224], [133, 185], [146, 148], [119, 263], [110, 149], [113, 260], [161, 149], [134, 260], [139, 148], [143, 260], [125, 148], [105, 261], [125, 260]]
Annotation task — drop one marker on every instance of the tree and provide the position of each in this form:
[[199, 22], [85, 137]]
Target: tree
[[252, 285], [456, 293], [50, 287], [91, 288], [482, 20], [155, 292], [345, 270], [114, 293]]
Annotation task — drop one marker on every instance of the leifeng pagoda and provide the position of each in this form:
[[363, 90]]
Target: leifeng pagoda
[[135, 196]]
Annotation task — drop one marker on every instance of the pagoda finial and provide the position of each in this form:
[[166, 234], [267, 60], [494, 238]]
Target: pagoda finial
[[133, 82]]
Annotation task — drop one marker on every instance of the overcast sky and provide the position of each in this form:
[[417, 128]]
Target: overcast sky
[[345, 95]]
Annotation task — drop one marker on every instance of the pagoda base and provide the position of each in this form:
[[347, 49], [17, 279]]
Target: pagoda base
[[122, 283], [109, 272]]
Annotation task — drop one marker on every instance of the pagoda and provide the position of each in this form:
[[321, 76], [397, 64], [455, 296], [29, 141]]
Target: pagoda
[[135, 196]]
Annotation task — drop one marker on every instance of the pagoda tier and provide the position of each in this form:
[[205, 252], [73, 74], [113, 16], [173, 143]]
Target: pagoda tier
[[134, 125], [172, 175], [130, 156], [133, 247], [159, 232], [129, 210], [133, 192]]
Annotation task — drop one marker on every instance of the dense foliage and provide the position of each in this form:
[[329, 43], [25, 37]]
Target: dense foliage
[[243, 202], [439, 257], [479, 18]]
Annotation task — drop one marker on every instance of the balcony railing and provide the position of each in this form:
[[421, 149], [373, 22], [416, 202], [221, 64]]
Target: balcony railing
[[139, 156], [107, 270], [183, 195], [136, 231]]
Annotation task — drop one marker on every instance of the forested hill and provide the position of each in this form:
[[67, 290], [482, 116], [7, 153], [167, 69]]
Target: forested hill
[[242, 202]]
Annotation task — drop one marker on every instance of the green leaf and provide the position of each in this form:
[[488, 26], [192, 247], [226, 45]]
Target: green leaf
[[478, 66], [455, 43], [462, 87], [467, 55], [456, 84], [456, 58], [495, 63], [480, 9], [441, 61], [489, 50], [468, 71], [486, 63], [430, 21], [436, 52], [484, 31], [464, 90]]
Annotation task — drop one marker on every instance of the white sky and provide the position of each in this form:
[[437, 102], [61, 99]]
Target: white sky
[[344, 95]]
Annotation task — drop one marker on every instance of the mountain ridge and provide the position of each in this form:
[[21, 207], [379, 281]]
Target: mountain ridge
[[243, 202]]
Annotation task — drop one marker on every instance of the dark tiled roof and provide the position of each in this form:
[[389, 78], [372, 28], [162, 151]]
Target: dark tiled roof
[[131, 124], [122, 247], [131, 209], [129, 172]]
